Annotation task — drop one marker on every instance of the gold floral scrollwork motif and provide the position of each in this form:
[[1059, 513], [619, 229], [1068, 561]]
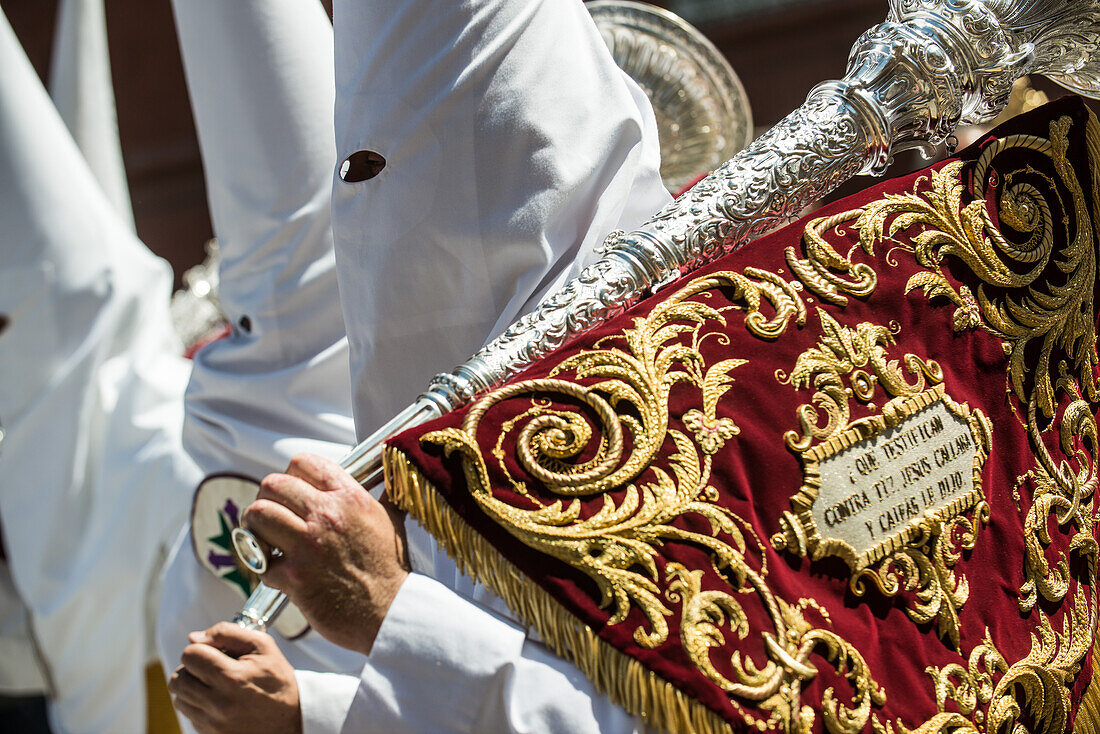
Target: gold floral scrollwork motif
[[1065, 492], [972, 685], [1046, 317], [1047, 325], [777, 685], [850, 362], [631, 376], [631, 398], [823, 270]]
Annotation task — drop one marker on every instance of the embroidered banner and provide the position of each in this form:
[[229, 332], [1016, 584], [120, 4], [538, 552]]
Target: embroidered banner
[[841, 480]]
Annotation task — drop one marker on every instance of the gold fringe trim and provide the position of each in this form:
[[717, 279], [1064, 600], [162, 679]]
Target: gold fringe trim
[[623, 679]]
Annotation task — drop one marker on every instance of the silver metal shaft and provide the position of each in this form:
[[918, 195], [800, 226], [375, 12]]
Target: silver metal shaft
[[261, 608]]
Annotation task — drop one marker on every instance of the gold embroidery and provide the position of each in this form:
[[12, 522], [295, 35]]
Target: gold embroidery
[[845, 353], [1046, 318], [712, 432], [617, 546], [944, 723], [777, 685], [971, 685], [823, 269], [631, 399], [921, 554], [1045, 315]]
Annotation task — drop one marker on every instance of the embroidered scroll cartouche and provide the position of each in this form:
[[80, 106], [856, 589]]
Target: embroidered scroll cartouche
[[842, 480], [888, 495]]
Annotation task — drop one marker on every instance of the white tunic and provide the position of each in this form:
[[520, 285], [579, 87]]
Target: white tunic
[[92, 475], [514, 145]]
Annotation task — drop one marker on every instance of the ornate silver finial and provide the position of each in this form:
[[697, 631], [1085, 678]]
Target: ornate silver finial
[[1063, 34], [703, 114]]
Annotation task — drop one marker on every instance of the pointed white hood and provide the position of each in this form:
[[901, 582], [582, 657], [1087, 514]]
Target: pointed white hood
[[92, 474], [83, 92]]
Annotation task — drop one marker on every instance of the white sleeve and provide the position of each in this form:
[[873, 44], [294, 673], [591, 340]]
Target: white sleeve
[[325, 699], [260, 77], [442, 664], [193, 599]]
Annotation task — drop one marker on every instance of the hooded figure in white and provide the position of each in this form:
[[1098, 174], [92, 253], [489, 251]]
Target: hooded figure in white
[[92, 474], [514, 146]]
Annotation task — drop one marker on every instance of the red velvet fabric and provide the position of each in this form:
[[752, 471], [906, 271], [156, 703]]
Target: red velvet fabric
[[756, 475]]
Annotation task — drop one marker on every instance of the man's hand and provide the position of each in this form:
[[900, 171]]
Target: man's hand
[[343, 551], [236, 681]]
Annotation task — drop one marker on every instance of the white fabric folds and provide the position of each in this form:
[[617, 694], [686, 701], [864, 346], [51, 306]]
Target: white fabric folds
[[82, 91], [513, 147], [260, 78], [92, 475]]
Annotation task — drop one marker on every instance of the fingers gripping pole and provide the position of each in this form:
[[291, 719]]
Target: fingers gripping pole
[[364, 463]]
